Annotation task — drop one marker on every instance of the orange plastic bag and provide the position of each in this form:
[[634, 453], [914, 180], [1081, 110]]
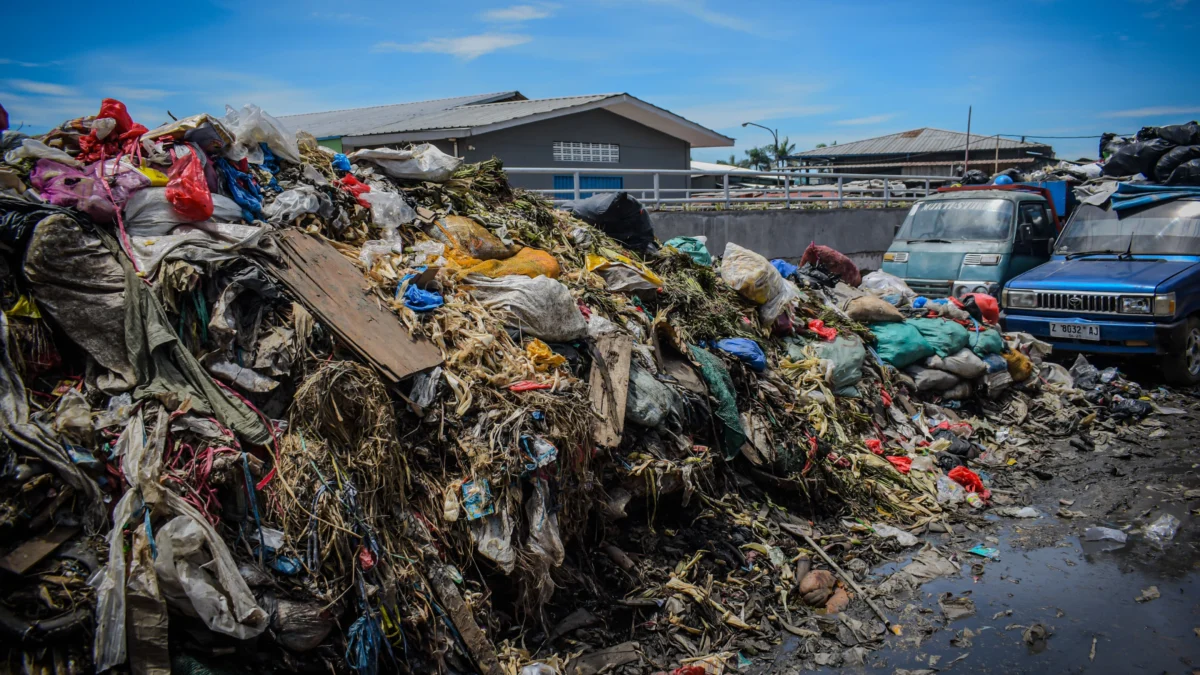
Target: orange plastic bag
[[187, 189], [529, 262], [543, 357]]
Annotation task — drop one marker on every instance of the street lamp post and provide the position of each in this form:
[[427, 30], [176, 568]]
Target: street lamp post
[[774, 133]]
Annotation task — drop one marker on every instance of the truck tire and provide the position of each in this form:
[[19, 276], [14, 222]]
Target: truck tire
[[1183, 368]]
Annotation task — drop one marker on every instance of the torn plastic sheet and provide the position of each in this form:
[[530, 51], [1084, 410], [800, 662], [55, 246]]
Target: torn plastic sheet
[[493, 538], [422, 162]]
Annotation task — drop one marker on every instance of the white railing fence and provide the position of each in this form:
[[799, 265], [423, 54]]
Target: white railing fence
[[781, 188]]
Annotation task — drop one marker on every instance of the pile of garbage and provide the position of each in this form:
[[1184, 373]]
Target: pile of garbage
[[267, 406]]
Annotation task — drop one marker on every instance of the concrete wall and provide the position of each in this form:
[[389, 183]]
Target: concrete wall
[[861, 234]]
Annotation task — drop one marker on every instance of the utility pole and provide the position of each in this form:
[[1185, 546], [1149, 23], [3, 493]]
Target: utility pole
[[996, 166], [967, 156]]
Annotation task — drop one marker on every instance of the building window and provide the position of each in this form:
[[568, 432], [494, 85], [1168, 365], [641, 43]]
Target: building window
[[566, 151]]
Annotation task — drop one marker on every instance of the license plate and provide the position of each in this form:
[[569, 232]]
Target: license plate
[[1075, 331]]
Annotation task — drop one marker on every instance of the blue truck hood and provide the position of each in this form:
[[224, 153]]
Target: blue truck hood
[[1100, 275]]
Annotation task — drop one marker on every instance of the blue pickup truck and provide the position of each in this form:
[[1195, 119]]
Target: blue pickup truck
[[1119, 282]]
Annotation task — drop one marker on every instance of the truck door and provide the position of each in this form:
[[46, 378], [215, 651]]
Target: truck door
[[1031, 243]]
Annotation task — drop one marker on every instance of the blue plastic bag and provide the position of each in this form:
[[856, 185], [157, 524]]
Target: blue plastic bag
[[786, 269], [416, 299], [341, 162], [745, 349], [919, 301], [243, 189]]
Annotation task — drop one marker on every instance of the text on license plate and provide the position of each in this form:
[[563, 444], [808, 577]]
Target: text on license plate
[[1075, 331]]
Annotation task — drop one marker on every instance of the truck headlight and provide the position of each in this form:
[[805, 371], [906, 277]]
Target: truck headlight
[[1135, 304], [982, 259], [1164, 305], [1019, 299], [961, 288]]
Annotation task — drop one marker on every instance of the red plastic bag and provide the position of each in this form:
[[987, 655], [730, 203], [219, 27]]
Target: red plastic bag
[[122, 139], [969, 480], [902, 464], [355, 187], [187, 189], [875, 445], [834, 261], [987, 306], [818, 326]]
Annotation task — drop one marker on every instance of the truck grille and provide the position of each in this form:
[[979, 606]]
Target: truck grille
[[972, 258], [1079, 302], [929, 289]]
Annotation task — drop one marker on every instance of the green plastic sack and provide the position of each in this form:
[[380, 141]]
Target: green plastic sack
[[900, 344], [846, 354], [946, 337], [720, 387], [693, 247], [986, 342]]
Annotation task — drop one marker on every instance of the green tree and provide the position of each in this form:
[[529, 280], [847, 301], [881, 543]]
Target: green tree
[[781, 150], [734, 161], [822, 145], [759, 158]]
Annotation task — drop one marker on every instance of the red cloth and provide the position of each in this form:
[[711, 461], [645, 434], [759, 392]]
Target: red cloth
[[902, 464], [887, 398], [818, 326], [875, 445], [987, 306], [969, 480], [834, 261], [945, 424]]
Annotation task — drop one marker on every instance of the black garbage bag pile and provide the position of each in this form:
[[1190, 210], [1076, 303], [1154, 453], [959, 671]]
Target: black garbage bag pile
[[1169, 155]]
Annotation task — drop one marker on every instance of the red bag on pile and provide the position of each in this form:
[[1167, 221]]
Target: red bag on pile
[[818, 326], [122, 139], [969, 480], [987, 306], [902, 464], [187, 189], [355, 187], [834, 261]]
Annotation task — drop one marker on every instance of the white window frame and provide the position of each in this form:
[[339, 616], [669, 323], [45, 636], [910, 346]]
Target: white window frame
[[573, 151]]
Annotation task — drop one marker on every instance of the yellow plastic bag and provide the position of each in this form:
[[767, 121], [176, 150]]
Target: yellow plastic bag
[[757, 280], [157, 178], [621, 273], [1019, 365], [25, 308], [543, 357], [473, 238], [529, 262]]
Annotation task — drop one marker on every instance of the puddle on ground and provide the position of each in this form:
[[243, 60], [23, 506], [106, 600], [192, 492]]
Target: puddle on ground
[[1078, 594]]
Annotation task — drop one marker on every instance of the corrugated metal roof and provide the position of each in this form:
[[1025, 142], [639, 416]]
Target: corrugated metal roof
[[916, 141], [956, 162], [358, 121], [480, 115]]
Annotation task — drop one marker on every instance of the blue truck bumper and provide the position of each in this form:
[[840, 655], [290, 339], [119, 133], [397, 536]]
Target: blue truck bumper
[[1116, 337]]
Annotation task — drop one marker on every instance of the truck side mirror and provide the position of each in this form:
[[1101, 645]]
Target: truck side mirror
[[1024, 233]]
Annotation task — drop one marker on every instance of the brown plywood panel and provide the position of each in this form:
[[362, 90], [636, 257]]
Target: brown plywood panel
[[610, 387], [334, 290]]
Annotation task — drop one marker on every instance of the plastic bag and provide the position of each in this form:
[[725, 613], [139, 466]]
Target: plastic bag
[[243, 187], [1163, 529], [623, 275], [1187, 173], [542, 307], [470, 237], [930, 379], [871, 309], [291, 204], [988, 307], [693, 246], [148, 213], [786, 269], [968, 479], [900, 344], [355, 187], [529, 262], [1019, 365], [543, 358], [187, 189], [959, 392], [946, 337], [1179, 134], [34, 149], [649, 401], [1137, 157], [833, 261], [85, 189], [1172, 159], [950, 492], [422, 162], [1128, 408], [389, 211], [963, 363], [745, 349], [757, 280], [251, 126], [720, 387], [880, 283], [888, 532], [825, 332], [842, 361], [618, 215], [340, 162]]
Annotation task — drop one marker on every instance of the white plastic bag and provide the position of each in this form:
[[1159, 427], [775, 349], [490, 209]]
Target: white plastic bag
[[649, 401], [542, 306], [963, 363], [35, 149], [757, 280], [148, 213], [291, 204], [880, 283], [949, 492], [251, 126], [389, 211], [492, 536], [423, 162], [903, 538]]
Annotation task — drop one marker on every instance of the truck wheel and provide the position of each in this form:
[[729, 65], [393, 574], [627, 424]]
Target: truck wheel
[[1184, 368]]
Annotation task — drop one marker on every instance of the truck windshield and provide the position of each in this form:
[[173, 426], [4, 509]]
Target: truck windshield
[[958, 220], [1169, 228]]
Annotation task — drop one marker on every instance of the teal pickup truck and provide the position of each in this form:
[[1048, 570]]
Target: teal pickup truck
[[973, 239]]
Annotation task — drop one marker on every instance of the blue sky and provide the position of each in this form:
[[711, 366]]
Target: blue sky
[[817, 71]]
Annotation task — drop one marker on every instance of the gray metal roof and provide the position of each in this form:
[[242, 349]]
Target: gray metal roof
[[465, 115], [916, 141], [359, 121]]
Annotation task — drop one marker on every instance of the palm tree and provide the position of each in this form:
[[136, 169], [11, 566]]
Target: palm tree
[[734, 161], [781, 150], [759, 158]]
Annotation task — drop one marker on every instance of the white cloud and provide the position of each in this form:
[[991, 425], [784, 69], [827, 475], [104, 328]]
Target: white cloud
[[29, 64], [873, 119], [729, 114], [518, 13], [1158, 111], [44, 88], [342, 17], [697, 10], [467, 47]]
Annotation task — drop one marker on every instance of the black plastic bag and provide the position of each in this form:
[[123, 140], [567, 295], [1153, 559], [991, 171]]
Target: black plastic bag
[[947, 461], [1174, 157], [971, 307], [1110, 143], [620, 216], [1130, 408], [974, 177], [1086, 375], [1137, 157], [1179, 134], [958, 446], [1187, 173]]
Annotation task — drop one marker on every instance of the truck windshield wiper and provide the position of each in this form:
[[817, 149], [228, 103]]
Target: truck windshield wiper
[[935, 241], [1107, 251]]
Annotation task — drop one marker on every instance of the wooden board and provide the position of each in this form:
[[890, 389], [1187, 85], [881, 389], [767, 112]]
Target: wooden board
[[610, 387], [20, 559], [334, 290]]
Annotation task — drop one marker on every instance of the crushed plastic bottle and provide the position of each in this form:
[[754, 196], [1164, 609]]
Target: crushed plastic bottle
[[949, 492], [1163, 530], [1105, 534]]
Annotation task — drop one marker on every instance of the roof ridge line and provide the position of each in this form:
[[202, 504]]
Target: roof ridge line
[[389, 105]]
